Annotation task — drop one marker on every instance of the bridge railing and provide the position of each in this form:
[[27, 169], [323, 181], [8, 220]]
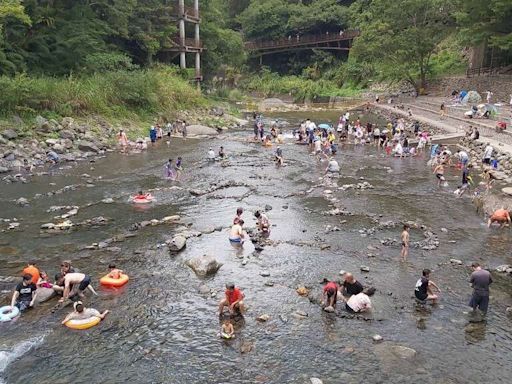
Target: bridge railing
[[291, 41]]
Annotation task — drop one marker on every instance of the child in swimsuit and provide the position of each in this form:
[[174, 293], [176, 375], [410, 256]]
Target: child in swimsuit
[[114, 273], [227, 331], [43, 280]]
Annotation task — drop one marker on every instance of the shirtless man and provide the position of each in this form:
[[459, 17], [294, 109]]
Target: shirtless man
[[75, 283], [439, 172], [500, 216], [405, 243], [237, 234]]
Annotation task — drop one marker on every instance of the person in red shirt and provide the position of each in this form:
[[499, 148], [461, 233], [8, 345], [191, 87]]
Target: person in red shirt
[[32, 270], [233, 300], [330, 294]]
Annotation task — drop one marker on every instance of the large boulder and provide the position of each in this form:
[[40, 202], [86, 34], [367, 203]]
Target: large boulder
[[204, 265], [67, 134], [177, 243], [4, 169], [272, 103], [199, 130], [44, 294], [10, 134], [87, 146]]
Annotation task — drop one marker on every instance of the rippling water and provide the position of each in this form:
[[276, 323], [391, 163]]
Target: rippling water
[[162, 330]]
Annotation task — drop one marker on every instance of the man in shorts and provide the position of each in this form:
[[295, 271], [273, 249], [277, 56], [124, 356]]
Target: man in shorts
[[75, 284], [233, 300], [500, 216]]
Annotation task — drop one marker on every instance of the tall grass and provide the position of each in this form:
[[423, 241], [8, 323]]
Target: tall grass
[[113, 94], [270, 83]]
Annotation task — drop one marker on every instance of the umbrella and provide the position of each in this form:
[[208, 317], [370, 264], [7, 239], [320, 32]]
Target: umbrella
[[325, 126]]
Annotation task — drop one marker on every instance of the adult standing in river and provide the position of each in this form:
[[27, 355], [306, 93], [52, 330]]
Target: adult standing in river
[[480, 281]]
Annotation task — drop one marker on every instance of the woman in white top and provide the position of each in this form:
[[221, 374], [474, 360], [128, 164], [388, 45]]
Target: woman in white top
[[360, 302]]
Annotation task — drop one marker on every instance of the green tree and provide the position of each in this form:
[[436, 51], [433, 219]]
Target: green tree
[[400, 37], [12, 12]]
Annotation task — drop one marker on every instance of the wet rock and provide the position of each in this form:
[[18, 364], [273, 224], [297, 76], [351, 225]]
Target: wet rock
[[302, 291], [44, 294], [4, 169], [246, 346], [269, 284], [263, 318], [177, 243], [10, 134], [342, 272], [87, 146], [329, 309], [171, 219], [204, 289], [108, 200], [22, 202], [364, 268], [265, 273], [377, 338], [456, 261], [204, 265], [48, 226], [503, 268], [324, 246], [315, 380], [268, 207], [301, 314], [444, 230], [189, 234], [402, 352]]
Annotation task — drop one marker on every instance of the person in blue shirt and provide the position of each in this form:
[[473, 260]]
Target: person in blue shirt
[[152, 134]]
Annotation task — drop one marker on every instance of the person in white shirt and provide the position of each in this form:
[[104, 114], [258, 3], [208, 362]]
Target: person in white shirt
[[489, 95], [211, 155], [360, 302], [488, 154], [463, 157], [333, 166]]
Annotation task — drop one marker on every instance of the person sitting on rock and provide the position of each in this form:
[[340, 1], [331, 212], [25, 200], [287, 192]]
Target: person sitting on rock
[[25, 294], [80, 313], [500, 216], [360, 302], [350, 286], [75, 284], [263, 223], [330, 295], [233, 300]]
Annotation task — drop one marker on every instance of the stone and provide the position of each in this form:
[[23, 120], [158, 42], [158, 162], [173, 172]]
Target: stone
[[4, 170], [502, 268], [507, 191], [265, 273], [67, 122], [177, 243], [200, 130], [402, 352], [51, 141], [66, 134], [87, 146], [268, 207], [168, 219], [315, 380], [59, 148], [10, 134], [108, 200], [364, 268], [329, 309], [377, 338], [342, 272], [456, 261], [263, 318], [204, 289], [444, 230], [302, 291], [48, 226], [204, 265], [44, 294], [22, 202]]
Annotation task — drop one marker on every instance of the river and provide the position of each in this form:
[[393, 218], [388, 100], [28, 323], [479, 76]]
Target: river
[[163, 330]]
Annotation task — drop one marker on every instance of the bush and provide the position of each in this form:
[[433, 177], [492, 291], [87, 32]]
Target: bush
[[112, 94]]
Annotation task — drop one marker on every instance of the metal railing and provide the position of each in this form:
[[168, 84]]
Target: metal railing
[[482, 71], [297, 40]]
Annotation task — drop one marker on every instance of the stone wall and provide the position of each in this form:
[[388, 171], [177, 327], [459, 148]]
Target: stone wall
[[500, 85], [476, 152]]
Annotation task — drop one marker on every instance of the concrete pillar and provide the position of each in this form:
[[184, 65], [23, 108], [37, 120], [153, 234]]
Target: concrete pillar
[[196, 7], [181, 7], [198, 64], [197, 37]]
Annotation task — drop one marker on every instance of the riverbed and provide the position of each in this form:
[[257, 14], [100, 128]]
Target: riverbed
[[162, 329]]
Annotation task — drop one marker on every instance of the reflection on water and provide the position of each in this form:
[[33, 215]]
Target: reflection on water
[[164, 324]]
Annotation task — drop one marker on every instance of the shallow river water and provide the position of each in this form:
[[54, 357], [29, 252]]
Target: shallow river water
[[163, 330]]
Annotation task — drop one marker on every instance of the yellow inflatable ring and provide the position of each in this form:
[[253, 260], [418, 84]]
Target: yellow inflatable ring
[[110, 282], [83, 323]]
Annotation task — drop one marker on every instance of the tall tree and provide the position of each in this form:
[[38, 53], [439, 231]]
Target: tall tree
[[400, 37]]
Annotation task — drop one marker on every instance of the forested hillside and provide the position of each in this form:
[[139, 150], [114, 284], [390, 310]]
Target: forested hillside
[[402, 39]]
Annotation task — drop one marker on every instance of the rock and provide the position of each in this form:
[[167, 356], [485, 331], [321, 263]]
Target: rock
[[265, 273], [48, 226], [272, 103], [507, 191], [204, 265], [324, 246], [204, 289], [502, 268], [168, 219], [59, 148], [364, 268], [66, 134], [67, 122], [10, 134], [87, 146], [177, 243], [44, 294], [342, 272], [199, 130], [108, 200], [268, 207], [51, 141], [329, 309], [456, 261], [302, 291], [315, 380], [22, 202], [444, 230], [263, 318], [246, 346], [4, 169], [377, 338], [402, 352]]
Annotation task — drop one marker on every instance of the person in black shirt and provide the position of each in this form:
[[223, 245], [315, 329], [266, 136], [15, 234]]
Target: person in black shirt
[[24, 294], [350, 286], [423, 290]]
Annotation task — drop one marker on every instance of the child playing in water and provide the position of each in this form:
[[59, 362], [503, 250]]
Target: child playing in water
[[114, 273], [439, 172], [43, 280], [227, 331]]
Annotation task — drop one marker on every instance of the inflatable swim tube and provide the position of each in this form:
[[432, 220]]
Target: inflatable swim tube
[[7, 313], [143, 199], [83, 323], [226, 336], [110, 282]]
